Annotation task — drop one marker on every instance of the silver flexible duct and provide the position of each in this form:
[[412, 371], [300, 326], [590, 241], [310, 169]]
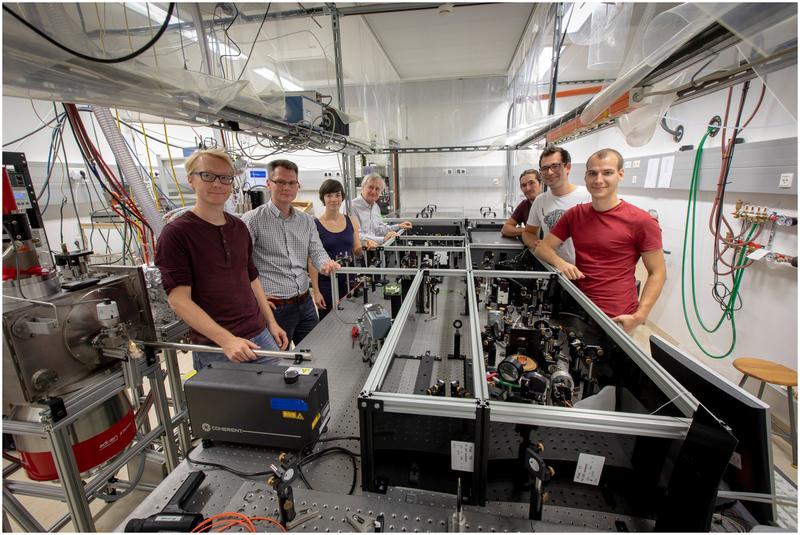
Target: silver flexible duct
[[129, 170]]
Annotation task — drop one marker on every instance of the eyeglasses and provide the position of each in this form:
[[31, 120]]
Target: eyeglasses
[[282, 184], [205, 176], [555, 167]]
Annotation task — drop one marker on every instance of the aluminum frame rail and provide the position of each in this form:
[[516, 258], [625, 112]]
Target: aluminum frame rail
[[74, 492], [417, 404], [674, 391]]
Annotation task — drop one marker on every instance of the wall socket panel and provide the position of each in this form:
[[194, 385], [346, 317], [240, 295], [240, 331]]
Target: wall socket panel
[[786, 179]]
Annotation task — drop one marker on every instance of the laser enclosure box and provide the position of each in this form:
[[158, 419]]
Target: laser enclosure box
[[252, 404]]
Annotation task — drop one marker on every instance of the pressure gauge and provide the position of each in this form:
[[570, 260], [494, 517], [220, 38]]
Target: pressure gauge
[[510, 369]]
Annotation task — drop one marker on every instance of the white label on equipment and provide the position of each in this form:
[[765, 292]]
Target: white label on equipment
[[502, 297], [758, 254], [301, 371], [736, 460], [589, 469], [462, 455]]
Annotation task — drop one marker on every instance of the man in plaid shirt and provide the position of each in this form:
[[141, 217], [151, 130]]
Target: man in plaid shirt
[[285, 242]]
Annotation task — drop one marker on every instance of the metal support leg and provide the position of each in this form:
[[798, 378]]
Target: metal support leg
[[6, 523], [761, 390], [21, 515], [164, 418], [178, 397], [70, 478], [792, 425], [743, 381]]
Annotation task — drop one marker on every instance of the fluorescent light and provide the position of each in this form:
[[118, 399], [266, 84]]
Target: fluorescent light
[[579, 15], [284, 82], [224, 50], [158, 15], [545, 61]]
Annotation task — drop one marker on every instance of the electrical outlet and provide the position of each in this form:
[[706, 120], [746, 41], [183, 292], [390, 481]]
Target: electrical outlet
[[627, 164], [634, 178], [786, 180], [77, 174], [635, 164], [462, 171], [448, 171]]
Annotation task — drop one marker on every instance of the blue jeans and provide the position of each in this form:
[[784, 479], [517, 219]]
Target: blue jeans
[[264, 340], [297, 319]]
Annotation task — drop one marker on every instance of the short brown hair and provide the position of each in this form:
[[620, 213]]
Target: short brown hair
[[192, 161], [553, 149], [286, 164], [533, 172], [330, 186], [604, 153]]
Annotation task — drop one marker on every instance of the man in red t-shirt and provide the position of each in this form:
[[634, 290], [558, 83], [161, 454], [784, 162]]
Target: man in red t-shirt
[[609, 237]]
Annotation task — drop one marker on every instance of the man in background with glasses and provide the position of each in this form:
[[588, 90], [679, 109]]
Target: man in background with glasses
[[206, 263], [530, 183], [554, 165], [285, 243]]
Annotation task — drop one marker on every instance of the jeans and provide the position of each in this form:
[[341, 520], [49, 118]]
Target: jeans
[[263, 340], [297, 319]]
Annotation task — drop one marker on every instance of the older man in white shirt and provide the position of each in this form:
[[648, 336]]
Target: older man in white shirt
[[372, 230]]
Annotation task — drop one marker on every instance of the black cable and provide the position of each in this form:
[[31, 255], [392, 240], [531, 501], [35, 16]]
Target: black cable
[[715, 293], [126, 57], [229, 38], [29, 134], [113, 194], [328, 451], [163, 142], [255, 40], [321, 440], [180, 34], [72, 192], [228, 468]]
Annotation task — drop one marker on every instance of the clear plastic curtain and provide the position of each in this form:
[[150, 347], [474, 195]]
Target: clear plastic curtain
[[169, 79]]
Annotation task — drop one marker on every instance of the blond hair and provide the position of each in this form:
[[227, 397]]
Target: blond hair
[[192, 162]]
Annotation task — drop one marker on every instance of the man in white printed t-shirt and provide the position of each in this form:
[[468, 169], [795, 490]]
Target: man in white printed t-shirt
[[554, 166]]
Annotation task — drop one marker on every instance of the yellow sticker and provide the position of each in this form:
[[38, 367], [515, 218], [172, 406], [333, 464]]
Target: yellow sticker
[[189, 374], [315, 422], [302, 371], [293, 415]]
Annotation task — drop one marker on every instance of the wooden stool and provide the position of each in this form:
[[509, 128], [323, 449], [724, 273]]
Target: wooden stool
[[774, 374]]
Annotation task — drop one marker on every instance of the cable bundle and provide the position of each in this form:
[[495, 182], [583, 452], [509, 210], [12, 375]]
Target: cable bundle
[[730, 242]]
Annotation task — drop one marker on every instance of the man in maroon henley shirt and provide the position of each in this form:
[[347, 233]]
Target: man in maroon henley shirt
[[206, 264]]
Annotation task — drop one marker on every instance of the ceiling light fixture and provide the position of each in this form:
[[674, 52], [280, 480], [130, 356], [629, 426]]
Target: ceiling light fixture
[[579, 15], [156, 14], [282, 81]]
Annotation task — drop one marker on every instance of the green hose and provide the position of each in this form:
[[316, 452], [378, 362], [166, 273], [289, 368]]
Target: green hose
[[729, 311]]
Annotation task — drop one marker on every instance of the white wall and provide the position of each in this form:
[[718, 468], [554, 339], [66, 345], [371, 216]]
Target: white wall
[[767, 323]]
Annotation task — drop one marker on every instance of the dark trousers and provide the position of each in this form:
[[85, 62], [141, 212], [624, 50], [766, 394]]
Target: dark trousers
[[297, 319]]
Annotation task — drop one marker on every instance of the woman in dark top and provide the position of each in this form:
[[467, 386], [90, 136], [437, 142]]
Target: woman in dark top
[[339, 236]]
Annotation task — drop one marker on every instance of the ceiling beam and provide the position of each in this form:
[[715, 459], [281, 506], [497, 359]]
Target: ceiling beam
[[368, 9]]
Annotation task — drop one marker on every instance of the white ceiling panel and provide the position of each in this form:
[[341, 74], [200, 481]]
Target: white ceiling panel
[[471, 41]]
